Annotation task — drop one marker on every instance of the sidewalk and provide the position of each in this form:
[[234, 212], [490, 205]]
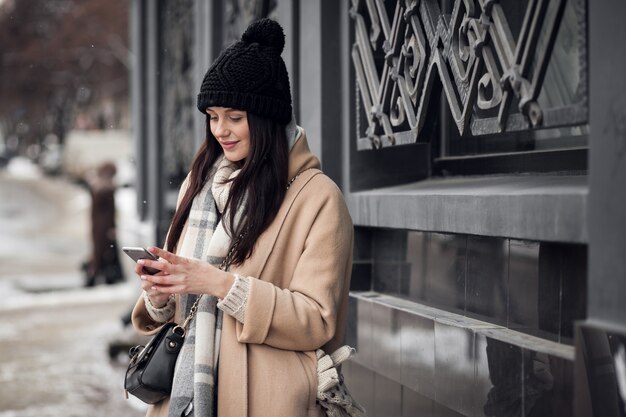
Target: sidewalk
[[55, 359], [55, 334]]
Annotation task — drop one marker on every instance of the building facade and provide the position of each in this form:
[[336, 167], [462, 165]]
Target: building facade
[[480, 147]]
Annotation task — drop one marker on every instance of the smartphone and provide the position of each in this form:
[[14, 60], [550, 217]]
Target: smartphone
[[137, 253]]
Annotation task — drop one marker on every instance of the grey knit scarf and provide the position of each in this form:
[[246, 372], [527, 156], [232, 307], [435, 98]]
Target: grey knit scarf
[[194, 391]]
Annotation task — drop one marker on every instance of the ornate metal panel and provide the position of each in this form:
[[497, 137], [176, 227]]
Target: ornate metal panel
[[489, 56]]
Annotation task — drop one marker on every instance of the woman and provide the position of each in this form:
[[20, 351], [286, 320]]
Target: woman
[[285, 293], [104, 261]]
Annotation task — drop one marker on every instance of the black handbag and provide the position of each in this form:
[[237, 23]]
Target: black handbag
[[151, 369], [150, 373]]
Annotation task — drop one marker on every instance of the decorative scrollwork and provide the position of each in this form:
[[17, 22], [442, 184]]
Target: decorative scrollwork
[[491, 78]]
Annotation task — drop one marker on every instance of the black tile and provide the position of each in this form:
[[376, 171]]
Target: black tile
[[352, 322], [390, 245], [498, 389], [487, 267], [528, 286], [548, 385], [415, 405], [362, 250], [387, 397], [389, 260], [361, 276], [445, 271], [573, 289], [562, 288], [412, 280], [417, 336], [386, 346], [386, 276], [454, 367], [549, 290]]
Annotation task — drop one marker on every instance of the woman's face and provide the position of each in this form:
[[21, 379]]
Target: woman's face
[[230, 128]]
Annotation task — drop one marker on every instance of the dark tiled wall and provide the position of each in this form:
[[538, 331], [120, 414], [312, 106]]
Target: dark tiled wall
[[534, 287], [410, 365]]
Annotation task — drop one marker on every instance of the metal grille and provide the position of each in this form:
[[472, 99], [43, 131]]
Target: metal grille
[[495, 61]]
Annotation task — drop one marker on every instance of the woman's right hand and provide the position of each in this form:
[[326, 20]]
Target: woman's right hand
[[157, 298]]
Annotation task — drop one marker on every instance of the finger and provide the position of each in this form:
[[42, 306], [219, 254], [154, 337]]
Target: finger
[[160, 279], [160, 265], [147, 287], [168, 289], [156, 290], [168, 256]]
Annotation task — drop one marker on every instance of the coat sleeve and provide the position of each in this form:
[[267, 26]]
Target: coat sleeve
[[304, 316]]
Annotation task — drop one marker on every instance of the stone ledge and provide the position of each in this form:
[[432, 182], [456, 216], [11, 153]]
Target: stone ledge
[[528, 207], [494, 331]]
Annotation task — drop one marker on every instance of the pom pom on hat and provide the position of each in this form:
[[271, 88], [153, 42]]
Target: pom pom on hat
[[250, 75], [266, 32]]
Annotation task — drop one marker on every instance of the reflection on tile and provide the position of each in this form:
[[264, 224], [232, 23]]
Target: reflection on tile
[[387, 397], [498, 390], [481, 370], [386, 341], [445, 271], [487, 264], [360, 382], [443, 411], [417, 336], [454, 367], [364, 331], [562, 394], [548, 385], [600, 374], [414, 404]]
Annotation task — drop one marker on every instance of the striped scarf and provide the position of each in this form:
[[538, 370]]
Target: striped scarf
[[194, 391]]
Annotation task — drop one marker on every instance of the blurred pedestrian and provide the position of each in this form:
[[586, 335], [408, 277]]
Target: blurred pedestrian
[[104, 263], [256, 198]]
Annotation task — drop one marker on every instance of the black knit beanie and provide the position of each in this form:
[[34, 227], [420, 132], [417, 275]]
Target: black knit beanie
[[250, 75]]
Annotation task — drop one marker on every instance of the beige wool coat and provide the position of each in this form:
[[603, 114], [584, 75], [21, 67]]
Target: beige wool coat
[[297, 302]]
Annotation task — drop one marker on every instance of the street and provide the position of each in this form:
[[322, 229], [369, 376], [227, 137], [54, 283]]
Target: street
[[55, 334]]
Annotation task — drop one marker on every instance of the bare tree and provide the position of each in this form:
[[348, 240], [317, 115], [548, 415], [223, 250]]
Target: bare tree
[[58, 57]]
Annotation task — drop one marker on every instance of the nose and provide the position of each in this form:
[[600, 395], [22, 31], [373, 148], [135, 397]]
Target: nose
[[221, 128]]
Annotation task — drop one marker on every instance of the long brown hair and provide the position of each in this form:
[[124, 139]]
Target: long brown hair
[[260, 186]]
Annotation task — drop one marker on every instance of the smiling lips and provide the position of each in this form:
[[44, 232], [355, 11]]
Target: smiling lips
[[229, 145]]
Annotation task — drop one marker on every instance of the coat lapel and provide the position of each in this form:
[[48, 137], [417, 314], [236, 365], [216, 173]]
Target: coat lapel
[[264, 246]]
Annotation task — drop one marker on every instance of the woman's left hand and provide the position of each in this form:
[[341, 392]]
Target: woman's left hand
[[186, 276]]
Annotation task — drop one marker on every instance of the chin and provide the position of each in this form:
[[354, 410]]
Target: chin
[[234, 158]]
